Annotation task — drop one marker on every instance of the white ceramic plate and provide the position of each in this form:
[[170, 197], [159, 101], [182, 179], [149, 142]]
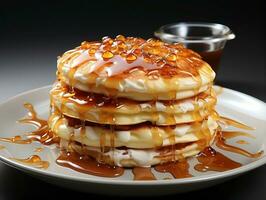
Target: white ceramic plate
[[231, 103]]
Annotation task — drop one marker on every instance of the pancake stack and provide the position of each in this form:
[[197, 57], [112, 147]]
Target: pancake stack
[[133, 102]]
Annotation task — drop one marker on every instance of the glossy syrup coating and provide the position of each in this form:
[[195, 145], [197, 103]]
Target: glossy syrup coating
[[152, 56]]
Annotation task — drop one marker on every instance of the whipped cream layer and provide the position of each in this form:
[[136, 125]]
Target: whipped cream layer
[[132, 137], [134, 157], [125, 112]]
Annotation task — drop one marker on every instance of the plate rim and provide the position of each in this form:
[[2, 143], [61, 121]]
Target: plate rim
[[195, 179]]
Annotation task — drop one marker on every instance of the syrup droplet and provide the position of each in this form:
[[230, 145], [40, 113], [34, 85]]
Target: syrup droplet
[[120, 38], [34, 161], [171, 57], [107, 55], [131, 57]]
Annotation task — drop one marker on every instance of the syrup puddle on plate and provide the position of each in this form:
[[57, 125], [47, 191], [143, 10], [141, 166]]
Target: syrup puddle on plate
[[87, 165], [209, 159]]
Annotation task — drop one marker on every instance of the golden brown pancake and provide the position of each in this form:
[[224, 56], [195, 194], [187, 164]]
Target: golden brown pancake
[[136, 69], [105, 110], [141, 136]]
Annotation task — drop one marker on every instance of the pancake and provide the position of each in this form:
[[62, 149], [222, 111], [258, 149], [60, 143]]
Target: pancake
[[140, 137], [105, 110], [136, 69]]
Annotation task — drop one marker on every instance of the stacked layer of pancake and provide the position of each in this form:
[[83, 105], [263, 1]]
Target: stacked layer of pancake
[[131, 102]]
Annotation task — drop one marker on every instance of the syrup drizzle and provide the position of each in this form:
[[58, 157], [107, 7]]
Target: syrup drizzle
[[221, 143], [232, 134], [2, 147], [16, 139], [143, 173], [87, 165], [34, 161], [211, 160], [42, 134], [235, 123]]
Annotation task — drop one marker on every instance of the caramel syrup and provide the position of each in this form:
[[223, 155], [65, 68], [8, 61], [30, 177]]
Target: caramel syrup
[[212, 58], [143, 173], [16, 139], [179, 169], [34, 161], [235, 123], [42, 134], [221, 143], [88, 165], [211, 160]]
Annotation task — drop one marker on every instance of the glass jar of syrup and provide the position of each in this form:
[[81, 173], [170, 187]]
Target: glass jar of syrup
[[207, 39]]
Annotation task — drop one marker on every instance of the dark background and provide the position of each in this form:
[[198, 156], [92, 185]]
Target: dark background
[[33, 34]]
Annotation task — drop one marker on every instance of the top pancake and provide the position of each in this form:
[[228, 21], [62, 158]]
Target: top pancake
[[135, 68]]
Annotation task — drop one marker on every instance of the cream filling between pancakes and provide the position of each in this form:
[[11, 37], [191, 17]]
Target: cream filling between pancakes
[[138, 84], [140, 137], [133, 157], [133, 112]]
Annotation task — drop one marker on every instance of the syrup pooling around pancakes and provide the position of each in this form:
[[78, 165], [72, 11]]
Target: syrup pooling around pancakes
[[42, 134], [211, 160], [85, 164]]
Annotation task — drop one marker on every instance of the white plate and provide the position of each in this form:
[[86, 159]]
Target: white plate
[[231, 103]]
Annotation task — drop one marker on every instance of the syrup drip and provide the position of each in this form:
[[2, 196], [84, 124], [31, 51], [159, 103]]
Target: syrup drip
[[235, 123], [178, 169], [88, 165], [112, 141], [34, 161], [143, 173], [221, 143], [2, 147], [211, 160]]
